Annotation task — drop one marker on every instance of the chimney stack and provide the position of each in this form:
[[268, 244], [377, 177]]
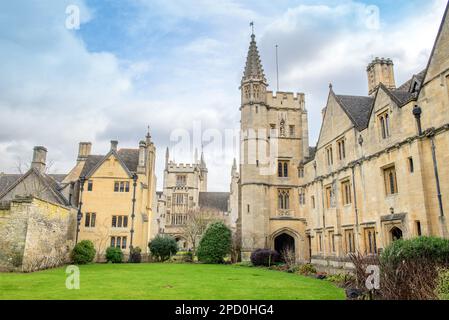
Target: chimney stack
[[114, 144], [84, 150], [141, 165], [380, 70], [39, 159]]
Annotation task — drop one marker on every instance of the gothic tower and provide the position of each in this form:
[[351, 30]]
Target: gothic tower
[[273, 142]]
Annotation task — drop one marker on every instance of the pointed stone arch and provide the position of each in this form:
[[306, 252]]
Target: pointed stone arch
[[286, 237]]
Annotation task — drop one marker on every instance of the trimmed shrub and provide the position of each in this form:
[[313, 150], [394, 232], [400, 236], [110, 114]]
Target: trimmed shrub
[[83, 252], [135, 255], [409, 269], [442, 289], [306, 270], [114, 255], [419, 250], [264, 257], [163, 247], [215, 243]]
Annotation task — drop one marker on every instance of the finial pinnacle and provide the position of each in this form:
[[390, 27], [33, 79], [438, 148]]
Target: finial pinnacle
[[251, 24]]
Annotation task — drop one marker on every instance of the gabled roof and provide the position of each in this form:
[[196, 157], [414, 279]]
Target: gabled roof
[[7, 180], [128, 158], [407, 86], [214, 200], [58, 177], [91, 162], [358, 109], [47, 180]]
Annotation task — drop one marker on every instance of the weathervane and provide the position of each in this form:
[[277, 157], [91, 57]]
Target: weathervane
[[251, 24]]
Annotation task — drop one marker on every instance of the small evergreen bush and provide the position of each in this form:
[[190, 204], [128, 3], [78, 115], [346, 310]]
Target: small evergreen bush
[[215, 244], [264, 257], [307, 270], [83, 252], [163, 247], [114, 255]]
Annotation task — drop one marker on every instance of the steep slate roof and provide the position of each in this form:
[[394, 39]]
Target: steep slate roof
[[58, 177], [7, 180], [53, 186], [253, 67], [214, 200], [407, 85], [91, 162], [357, 108], [129, 157]]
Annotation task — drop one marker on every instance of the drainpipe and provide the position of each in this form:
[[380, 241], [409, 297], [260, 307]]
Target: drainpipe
[[356, 209], [80, 205], [133, 214], [437, 177]]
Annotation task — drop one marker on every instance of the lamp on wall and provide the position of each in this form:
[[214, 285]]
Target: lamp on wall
[[417, 111]]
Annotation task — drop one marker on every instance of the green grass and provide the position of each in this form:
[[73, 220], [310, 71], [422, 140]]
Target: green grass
[[160, 281]]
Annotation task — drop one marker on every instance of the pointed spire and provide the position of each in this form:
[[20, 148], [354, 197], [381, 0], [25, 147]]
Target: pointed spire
[[253, 68], [202, 162], [148, 136], [167, 157], [234, 168]]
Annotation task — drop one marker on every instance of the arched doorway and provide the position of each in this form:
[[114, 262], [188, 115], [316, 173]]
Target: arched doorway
[[283, 243], [396, 233]]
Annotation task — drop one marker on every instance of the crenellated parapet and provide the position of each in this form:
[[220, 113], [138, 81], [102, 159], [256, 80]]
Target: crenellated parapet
[[286, 100]]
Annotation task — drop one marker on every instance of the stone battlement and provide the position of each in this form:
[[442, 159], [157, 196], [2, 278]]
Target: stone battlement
[[184, 167], [282, 99]]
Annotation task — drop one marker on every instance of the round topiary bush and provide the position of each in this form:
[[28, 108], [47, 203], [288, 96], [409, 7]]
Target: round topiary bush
[[215, 243], [83, 252], [135, 255], [163, 247], [264, 257], [114, 255], [419, 250]]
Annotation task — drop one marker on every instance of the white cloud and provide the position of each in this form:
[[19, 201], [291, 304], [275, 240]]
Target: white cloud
[[54, 92]]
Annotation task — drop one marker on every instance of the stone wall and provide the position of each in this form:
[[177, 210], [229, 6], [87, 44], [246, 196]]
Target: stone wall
[[35, 234]]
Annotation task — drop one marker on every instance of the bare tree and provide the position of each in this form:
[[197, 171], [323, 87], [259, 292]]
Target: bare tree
[[289, 256], [196, 223], [101, 242], [33, 187], [236, 246]]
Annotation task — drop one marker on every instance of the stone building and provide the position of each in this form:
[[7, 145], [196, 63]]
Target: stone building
[[37, 222], [378, 173], [117, 195], [274, 140], [185, 190]]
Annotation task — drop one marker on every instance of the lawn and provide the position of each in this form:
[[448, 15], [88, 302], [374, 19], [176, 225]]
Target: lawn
[[163, 281]]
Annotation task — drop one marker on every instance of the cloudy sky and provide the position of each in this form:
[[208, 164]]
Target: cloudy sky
[[175, 65]]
